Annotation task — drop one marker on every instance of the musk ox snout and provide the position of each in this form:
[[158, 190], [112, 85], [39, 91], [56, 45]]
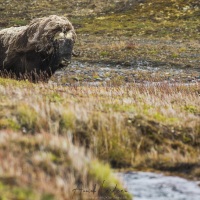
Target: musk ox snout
[[65, 49], [65, 43]]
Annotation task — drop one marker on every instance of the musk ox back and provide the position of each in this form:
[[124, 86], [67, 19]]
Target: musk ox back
[[41, 47]]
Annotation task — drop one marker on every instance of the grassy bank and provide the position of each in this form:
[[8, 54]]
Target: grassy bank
[[38, 157], [155, 127], [50, 167]]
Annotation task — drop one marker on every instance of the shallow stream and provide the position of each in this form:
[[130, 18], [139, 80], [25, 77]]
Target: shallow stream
[[152, 186]]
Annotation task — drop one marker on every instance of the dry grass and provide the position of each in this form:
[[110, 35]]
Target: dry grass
[[150, 123], [39, 126], [48, 166]]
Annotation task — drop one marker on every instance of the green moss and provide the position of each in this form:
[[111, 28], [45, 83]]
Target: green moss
[[53, 157], [187, 138], [79, 77], [54, 97], [19, 22], [103, 174], [67, 121], [58, 157], [13, 192], [175, 55], [120, 107], [48, 197], [192, 109], [9, 124], [15, 83], [104, 53], [8, 192], [27, 118], [161, 118]]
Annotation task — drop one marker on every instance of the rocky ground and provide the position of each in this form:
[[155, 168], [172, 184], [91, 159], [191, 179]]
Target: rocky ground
[[121, 59], [115, 74]]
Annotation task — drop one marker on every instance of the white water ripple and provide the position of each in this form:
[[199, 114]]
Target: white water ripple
[[152, 186]]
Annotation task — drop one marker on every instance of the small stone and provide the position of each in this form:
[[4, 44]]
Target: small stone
[[94, 83], [98, 79], [101, 74], [75, 78], [107, 79]]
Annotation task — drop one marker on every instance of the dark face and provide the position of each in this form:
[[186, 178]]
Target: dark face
[[65, 43], [65, 47]]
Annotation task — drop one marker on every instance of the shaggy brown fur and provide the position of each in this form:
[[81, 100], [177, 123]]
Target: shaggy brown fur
[[18, 45]]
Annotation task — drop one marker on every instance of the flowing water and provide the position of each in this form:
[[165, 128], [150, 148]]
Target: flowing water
[[152, 186]]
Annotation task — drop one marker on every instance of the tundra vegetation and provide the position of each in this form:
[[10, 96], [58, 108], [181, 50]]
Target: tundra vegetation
[[53, 137]]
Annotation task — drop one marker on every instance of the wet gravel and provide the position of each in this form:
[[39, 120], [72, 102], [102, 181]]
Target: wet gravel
[[101, 73]]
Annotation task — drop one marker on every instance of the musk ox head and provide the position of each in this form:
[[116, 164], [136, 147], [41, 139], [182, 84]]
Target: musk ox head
[[44, 45], [64, 43]]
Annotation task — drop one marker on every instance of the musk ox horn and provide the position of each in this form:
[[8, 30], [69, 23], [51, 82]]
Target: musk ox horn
[[59, 35], [69, 35], [75, 54]]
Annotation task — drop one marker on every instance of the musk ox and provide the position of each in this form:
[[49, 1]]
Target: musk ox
[[42, 47]]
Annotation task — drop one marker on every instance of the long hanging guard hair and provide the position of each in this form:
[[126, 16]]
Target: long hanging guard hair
[[37, 36]]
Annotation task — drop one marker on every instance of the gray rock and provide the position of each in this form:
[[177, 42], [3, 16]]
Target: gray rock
[[98, 79], [107, 79]]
